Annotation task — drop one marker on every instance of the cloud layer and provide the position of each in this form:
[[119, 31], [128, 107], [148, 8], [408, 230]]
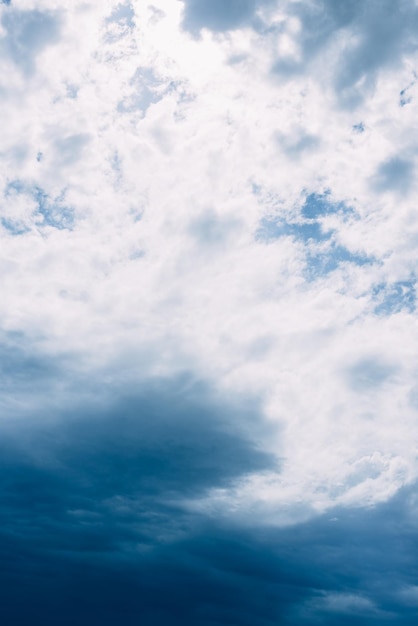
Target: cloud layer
[[208, 324], [96, 522]]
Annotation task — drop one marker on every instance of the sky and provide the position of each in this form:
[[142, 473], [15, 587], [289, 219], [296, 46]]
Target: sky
[[208, 312]]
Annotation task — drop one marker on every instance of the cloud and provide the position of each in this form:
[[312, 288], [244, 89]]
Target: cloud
[[27, 207], [152, 221], [395, 297], [369, 373], [226, 191], [218, 15], [160, 440], [27, 34], [91, 508], [395, 174], [364, 38]]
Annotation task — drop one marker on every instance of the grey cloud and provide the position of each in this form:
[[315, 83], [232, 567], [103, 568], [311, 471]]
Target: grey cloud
[[69, 149], [369, 373], [211, 229], [297, 144], [94, 532], [385, 31], [220, 15], [352, 567], [93, 529], [396, 174], [169, 439], [101, 485], [141, 446], [379, 34], [343, 12], [27, 34]]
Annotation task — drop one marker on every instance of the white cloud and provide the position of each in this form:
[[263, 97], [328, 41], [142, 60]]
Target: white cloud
[[169, 150]]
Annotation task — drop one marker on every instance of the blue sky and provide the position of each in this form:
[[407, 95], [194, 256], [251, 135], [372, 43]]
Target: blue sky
[[208, 235]]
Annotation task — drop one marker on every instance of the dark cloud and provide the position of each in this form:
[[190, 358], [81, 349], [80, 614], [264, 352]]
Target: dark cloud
[[168, 440], [356, 567], [94, 528], [385, 31], [343, 12], [377, 35], [91, 498]]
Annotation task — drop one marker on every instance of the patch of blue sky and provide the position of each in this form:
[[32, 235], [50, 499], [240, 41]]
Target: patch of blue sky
[[323, 254], [358, 128], [53, 212], [49, 211], [147, 89], [123, 13], [318, 205], [307, 231], [395, 297], [14, 227], [321, 262]]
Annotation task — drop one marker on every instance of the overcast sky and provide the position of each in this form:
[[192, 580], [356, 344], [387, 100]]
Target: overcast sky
[[208, 324]]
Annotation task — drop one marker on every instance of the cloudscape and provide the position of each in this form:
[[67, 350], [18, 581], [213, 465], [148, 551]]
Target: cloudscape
[[208, 312]]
